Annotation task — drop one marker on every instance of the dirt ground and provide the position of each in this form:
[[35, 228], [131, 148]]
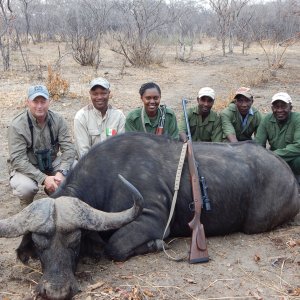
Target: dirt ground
[[263, 266]]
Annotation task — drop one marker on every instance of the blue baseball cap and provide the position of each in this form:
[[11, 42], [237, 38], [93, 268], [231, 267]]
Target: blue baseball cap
[[37, 90]]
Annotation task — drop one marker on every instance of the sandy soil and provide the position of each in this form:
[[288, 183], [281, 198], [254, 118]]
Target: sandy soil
[[263, 266]]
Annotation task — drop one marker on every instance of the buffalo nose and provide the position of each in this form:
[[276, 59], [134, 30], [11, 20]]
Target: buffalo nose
[[52, 291]]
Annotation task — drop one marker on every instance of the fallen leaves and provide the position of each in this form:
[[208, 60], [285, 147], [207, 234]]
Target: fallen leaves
[[256, 258], [95, 286], [101, 288], [256, 295], [293, 243], [294, 292], [190, 281]]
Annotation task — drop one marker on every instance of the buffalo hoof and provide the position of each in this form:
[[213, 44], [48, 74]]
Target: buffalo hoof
[[157, 245]]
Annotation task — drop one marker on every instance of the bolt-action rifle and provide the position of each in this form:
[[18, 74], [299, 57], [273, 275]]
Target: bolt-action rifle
[[198, 252]]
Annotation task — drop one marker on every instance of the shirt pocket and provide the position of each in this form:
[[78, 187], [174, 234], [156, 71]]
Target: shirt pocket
[[289, 138], [93, 132], [193, 126], [207, 133], [94, 136]]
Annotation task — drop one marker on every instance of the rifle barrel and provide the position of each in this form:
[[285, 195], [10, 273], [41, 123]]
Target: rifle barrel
[[184, 102]]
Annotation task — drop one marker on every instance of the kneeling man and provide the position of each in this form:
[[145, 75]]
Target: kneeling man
[[40, 147], [281, 129]]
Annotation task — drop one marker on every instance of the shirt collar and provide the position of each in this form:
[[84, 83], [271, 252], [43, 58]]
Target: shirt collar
[[34, 119], [109, 108], [211, 116]]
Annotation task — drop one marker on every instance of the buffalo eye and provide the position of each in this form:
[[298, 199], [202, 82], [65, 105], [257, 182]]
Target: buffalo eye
[[41, 242]]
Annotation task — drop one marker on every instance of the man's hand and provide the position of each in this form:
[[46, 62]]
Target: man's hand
[[232, 138], [183, 137], [59, 178], [52, 182]]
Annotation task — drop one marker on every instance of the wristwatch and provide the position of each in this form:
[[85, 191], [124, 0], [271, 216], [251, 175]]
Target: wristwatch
[[64, 172]]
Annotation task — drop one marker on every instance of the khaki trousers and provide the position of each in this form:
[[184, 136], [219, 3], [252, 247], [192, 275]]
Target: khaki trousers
[[26, 188]]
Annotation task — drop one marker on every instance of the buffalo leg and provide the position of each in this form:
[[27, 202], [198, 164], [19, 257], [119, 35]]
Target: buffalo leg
[[138, 237]]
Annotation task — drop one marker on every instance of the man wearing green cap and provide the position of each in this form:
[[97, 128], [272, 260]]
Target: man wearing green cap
[[281, 129], [40, 147], [97, 121], [205, 124], [240, 119]]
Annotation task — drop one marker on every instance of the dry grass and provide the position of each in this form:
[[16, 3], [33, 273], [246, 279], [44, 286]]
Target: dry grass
[[220, 104]]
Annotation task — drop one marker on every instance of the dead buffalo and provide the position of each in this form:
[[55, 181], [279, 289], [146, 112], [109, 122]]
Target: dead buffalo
[[251, 190]]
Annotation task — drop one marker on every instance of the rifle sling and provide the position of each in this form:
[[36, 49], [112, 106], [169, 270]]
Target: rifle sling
[[176, 188]]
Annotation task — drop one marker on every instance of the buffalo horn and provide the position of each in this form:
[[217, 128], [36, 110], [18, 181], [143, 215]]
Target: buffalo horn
[[36, 217], [72, 213]]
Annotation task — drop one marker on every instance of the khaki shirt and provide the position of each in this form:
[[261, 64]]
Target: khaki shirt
[[232, 124], [284, 140], [21, 150], [207, 130], [134, 122], [91, 128]]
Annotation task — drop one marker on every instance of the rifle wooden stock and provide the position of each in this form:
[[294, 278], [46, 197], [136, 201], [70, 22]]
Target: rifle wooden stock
[[159, 131], [198, 251]]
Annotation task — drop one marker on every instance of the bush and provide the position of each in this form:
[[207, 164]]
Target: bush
[[57, 86]]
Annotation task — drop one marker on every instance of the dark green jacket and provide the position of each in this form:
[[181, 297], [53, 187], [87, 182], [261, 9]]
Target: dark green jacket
[[231, 123], [209, 130], [284, 141], [134, 122]]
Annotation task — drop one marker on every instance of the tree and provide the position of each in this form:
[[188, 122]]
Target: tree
[[25, 9], [227, 12], [86, 21], [139, 28], [6, 19], [186, 15], [275, 28]]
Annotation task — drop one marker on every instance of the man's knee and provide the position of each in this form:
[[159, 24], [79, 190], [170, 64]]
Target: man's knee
[[23, 187]]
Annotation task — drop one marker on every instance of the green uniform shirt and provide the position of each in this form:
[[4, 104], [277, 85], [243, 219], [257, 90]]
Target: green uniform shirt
[[134, 122], [232, 124], [209, 130], [285, 140]]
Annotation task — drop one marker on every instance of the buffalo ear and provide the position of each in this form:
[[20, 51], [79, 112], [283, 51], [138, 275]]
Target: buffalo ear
[[26, 249]]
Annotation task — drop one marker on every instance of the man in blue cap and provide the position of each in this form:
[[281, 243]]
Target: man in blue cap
[[35, 138]]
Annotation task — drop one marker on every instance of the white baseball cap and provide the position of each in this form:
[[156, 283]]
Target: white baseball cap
[[285, 97], [100, 81], [206, 91]]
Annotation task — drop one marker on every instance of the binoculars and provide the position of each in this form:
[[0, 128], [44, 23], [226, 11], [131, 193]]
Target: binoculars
[[44, 160]]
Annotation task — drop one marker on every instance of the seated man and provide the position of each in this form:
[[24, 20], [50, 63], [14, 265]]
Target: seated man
[[205, 124], [281, 129], [35, 137], [97, 121], [240, 120], [152, 117]]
